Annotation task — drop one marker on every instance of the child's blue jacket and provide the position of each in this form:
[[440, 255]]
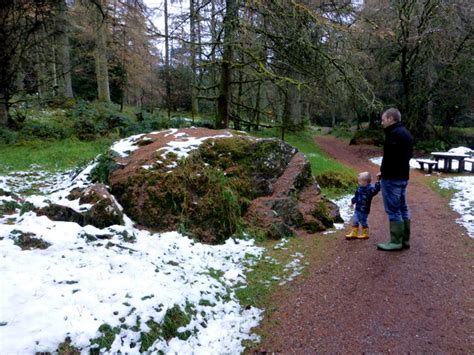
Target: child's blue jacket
[[363, 197]]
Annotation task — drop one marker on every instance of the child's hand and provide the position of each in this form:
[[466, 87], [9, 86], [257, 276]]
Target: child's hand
[[351, 205], [379, 176]]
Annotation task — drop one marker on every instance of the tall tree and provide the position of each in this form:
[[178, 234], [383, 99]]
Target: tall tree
[[224, 97], [101, 63], [22, 29], [65, 83], [193, 49], [167, 60]]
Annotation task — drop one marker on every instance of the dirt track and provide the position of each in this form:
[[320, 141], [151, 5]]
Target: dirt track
[[360, 300]]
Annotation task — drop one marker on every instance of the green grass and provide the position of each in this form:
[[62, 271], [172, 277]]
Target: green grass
[[261, 279], [432, 182], [50, 155]]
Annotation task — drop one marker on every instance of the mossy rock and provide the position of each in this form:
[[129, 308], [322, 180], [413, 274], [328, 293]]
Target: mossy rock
[[57, 212], [103, 213], [208, 194], [27, 241]]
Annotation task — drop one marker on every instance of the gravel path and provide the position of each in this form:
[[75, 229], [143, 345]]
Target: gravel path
[[356, 299]]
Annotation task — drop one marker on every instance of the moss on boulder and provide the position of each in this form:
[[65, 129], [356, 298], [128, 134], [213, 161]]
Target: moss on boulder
[[223, 186]]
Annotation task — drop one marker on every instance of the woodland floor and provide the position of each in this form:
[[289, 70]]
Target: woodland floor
[[356, 299]]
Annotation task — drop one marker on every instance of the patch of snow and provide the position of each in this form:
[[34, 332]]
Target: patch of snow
[[454, 165], [183, 145], [81, 282], [124, 146], [171, 131], [281, 244], [293, 268], [462, 200], [343, 203], [378, 161], [461, 150]]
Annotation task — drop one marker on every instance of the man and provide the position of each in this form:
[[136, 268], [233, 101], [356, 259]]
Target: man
[[395, 169]]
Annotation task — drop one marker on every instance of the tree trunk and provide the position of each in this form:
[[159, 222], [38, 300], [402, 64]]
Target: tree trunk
[[224, 97], [192, 25], [257, 108], [167, 63], [292, 111], [54, 71], [65, 83], [40, 73], [101, 69], [3, 110]]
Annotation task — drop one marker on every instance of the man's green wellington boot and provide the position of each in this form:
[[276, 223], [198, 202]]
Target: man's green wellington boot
[[406, 235], [397, 231]]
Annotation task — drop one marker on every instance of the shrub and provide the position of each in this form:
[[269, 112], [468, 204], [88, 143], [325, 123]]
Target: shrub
[[105, 165], [44, 129], [336, 180], [431, 146], [88, 129], [368, 136], [93, 119], [8, 136]]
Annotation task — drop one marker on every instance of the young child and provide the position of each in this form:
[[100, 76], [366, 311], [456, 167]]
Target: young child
[[362, 200]]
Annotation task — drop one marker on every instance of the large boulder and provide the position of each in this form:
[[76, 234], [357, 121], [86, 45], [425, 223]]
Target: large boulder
[[214, 184]]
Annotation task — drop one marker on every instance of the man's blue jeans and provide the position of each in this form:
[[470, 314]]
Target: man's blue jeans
[[394, 199]]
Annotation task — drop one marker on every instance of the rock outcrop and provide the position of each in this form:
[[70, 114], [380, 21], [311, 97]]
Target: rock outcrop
[[103, 211], [214, 184]]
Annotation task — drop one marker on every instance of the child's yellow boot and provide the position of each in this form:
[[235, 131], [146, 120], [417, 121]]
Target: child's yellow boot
[[365, 233], [353, 233]]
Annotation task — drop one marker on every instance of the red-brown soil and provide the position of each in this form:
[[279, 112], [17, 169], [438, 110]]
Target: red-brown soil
[[356, 299]]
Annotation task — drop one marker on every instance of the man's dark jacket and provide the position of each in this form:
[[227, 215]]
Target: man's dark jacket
[[397, 152]]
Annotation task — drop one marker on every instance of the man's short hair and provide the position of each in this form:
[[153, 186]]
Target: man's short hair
[[394, 113]]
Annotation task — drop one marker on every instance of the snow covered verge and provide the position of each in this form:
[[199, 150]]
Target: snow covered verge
[[455, 164], [378, 161], [118, 288], [343, 203], [462, 200]]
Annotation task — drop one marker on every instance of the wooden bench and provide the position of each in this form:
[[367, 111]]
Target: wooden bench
[[429, 163], [469, 160]]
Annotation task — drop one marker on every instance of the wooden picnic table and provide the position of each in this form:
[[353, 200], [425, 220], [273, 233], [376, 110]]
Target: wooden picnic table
[[448, 160]]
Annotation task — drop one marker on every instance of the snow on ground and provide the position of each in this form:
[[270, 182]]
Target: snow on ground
[[293, 268], [378, 161], [461, 150], [180, 146], [343, 203], [183, 144], [454, 165], [462, 200], [127, 145], [35, 180], [83, 281]]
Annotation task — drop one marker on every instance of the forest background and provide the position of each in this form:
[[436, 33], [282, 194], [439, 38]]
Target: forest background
[[96, 68]]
